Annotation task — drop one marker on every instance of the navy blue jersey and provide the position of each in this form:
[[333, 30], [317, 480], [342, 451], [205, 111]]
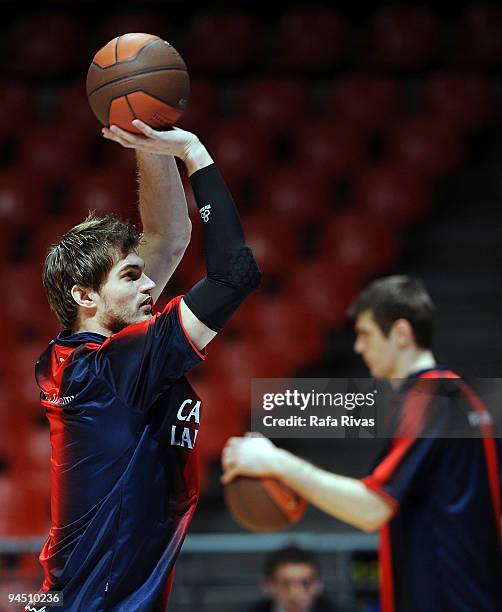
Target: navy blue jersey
[[123, 426], [441, 551]]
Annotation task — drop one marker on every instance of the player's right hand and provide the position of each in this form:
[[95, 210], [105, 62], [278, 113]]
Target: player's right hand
[[249, 456], [175, 141]]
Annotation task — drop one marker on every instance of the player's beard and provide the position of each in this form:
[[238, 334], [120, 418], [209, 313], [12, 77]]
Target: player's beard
[[116, 320]]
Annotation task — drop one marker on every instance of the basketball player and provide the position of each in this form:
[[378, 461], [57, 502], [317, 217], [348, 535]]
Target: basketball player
[[436, 501], [123, 419]]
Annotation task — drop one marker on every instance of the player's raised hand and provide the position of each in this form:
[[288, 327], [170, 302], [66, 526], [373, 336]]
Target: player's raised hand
[[175, 141], [249, 456]]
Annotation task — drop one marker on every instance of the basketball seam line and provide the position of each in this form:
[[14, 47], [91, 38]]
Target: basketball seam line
[[142, 91], [125, 61], [134, 74], [130, 107]]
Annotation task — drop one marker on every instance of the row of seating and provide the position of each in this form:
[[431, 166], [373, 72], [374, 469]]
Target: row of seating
[[54, 155], [277, 105], [48, 44], [292, 197]]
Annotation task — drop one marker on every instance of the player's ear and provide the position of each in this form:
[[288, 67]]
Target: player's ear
[[402, 333], [84, 297]]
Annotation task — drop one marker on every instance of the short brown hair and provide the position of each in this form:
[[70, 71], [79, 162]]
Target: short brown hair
[[290, 554], [84, 256], [398, 297]]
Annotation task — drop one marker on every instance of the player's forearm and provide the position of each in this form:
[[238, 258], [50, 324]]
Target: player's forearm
[[197, 157], [346, 499], [162, 202], [232, 271]]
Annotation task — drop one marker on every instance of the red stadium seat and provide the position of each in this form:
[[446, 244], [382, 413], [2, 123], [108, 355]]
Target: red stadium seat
[[274, 250], [325, 289], [27, 309], [467, 101], [394, 193], [298, 194], [312, 39], [118, 159], [22, 202], [22, 370], [248, 359], [46, 45], [14, 423], [54, 152], [335, 146], [402, 37], [192, 267], [372, 102], [360, 241], [24, 511], [50, 233], [17, 108], [240, 150], [37, 454], [222, 42], [478, 37], [202, 108], [223, 416], [241, 322], [72, 108], [273, 104], [288, 332], [104, 192], [431, 145]]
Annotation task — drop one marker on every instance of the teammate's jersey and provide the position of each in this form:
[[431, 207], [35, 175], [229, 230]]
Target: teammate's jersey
[[441, 551], [123, 427]]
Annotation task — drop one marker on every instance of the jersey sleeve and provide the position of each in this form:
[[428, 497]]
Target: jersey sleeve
[[143, 360], [406, 464]]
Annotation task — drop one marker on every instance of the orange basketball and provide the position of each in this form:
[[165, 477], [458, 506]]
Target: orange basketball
[[138, 76], [263, 504]]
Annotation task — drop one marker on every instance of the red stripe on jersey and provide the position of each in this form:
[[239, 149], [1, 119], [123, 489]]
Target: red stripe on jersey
[[413, 419], [178, 302], [414, 416], [439, 374], [386, 572], [374, 486], [490, 448]]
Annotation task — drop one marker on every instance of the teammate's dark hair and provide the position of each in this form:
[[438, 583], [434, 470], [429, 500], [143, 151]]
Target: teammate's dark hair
[[84, 256], [398, 297], [289, 554]]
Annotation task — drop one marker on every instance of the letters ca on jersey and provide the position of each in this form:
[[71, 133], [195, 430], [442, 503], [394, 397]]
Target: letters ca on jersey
[[184, 431]]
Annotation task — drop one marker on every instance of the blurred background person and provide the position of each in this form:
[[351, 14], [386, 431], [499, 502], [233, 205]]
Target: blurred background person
[[292, 583]]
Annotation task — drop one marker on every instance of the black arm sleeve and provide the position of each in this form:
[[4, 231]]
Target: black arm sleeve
[[232, 271]]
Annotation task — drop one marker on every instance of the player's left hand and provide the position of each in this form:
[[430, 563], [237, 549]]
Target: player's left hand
[[253, 455], [175, 141]]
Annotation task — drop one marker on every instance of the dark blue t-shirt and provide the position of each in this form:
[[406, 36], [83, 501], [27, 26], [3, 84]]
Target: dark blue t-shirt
[[441, 551], [123, 426]]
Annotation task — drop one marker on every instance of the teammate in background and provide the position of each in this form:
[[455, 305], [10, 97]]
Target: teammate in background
[[292, 583], [123, 419], [436, 501]]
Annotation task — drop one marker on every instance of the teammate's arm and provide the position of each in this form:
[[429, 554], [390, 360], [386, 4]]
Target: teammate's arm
[[347, 499], [232, 272]]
